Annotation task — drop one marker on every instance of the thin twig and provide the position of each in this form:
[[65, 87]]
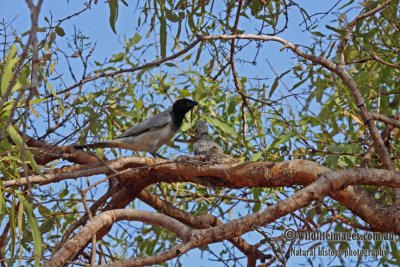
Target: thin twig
[[349, 30], [155, 63], [89, 214]]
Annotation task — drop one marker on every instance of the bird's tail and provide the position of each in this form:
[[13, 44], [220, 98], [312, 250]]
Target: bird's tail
[[109, 144], [94, 145]]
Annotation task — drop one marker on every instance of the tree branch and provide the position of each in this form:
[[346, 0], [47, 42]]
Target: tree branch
[[155, 63], [85, 217], [32, 40], [108, 218], [392, 121], [327, 183], [199, 222], [144, 171], [349, 31], [343, 75]]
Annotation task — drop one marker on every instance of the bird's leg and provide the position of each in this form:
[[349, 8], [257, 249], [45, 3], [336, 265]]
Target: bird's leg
[[156, 155]]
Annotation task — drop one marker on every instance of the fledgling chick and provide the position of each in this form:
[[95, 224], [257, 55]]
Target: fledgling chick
[[204, 144]]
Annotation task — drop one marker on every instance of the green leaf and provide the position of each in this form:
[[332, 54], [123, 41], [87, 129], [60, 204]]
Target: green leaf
[[117, 57], [283, 139], [3, 207], [134, 40], [255, 7], [113, 5], [256, 156], [140, 73], [319, 34], [163, 36], [172, 16], [54, 93], [52, 67], [346, 4], [37, 238], [299, 83], [186, 126], [7, 73], [256, 196], [256, 207], [18, 142], [47, 225], [223, 126], [199, 53], [60, 31], [276, 82], [45, 212], [334, 29], [192, 25], [273, 87], [63, 193]]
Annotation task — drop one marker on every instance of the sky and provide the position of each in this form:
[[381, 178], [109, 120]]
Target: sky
[[94, 23]]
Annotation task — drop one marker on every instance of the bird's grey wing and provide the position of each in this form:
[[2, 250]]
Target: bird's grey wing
[[150, 124]]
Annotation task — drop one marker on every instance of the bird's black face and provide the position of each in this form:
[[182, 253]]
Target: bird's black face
[[182, 106]]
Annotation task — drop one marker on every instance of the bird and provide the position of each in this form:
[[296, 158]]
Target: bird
[[204, 144], [150, 134]]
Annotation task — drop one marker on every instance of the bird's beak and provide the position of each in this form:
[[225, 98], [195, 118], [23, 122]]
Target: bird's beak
[[195, 103]]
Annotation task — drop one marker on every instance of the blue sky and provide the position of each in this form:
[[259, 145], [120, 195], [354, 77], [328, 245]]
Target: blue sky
[[94, 23]]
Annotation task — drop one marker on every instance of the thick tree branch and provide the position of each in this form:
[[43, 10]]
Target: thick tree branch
[[49, 153], [108, 218], [198, 170], [327, 183], [73, 172], [199, 222], [144, 171]]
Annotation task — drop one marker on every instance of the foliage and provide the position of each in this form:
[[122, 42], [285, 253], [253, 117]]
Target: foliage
[[259, 111]]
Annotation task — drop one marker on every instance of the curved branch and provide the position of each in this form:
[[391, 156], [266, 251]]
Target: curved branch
[[328, 183], [108, 218], [250, 174], [199, 222]]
